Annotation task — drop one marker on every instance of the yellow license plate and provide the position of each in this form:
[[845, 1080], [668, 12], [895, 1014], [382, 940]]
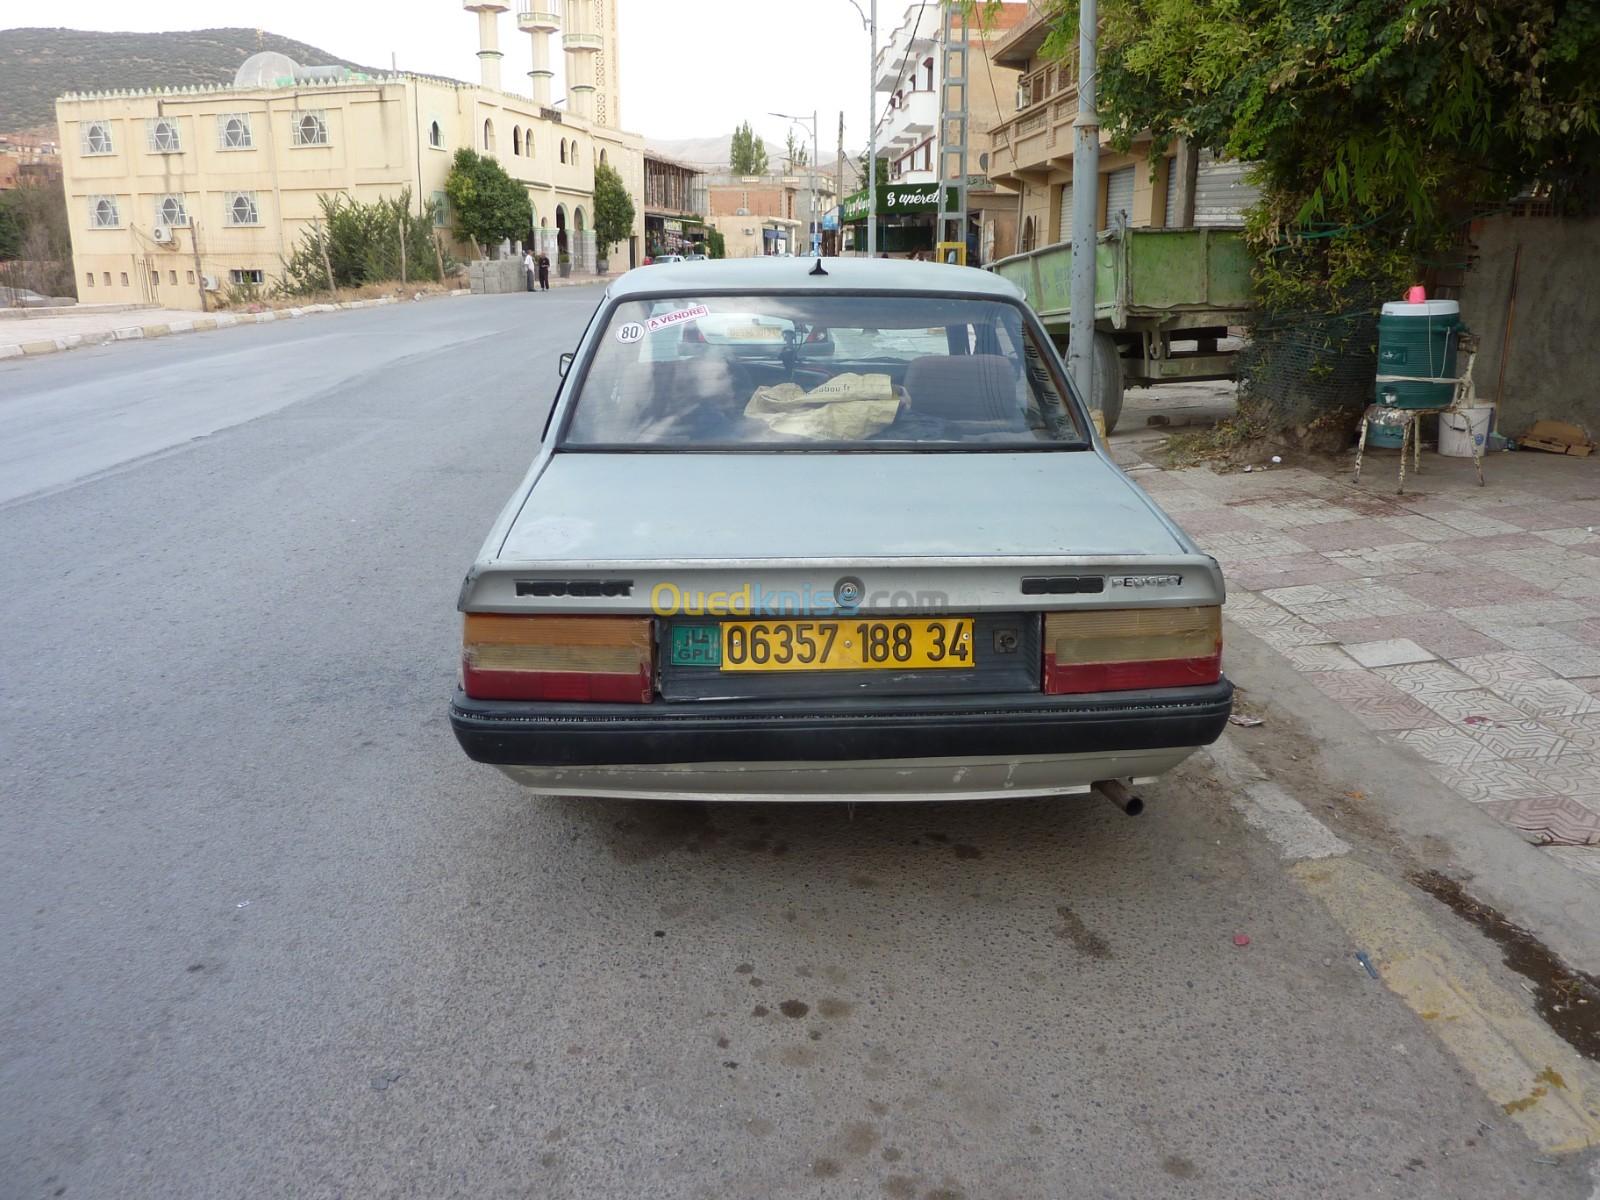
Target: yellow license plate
[[850, 645], [753, 333]]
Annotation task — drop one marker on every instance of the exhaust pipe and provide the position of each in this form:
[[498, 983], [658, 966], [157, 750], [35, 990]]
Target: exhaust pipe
[[1117, 793]]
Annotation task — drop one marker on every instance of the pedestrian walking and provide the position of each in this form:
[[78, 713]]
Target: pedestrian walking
[[528, 266], [544, 271]]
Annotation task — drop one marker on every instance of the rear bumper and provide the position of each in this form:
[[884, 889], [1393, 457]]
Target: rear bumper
[[884, 747]]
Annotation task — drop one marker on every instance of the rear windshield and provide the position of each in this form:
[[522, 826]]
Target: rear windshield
[[816, 371]]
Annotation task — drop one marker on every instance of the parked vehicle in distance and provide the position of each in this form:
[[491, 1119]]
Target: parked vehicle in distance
[[15, 297], [660, 259], [694, 258], [905, 570]]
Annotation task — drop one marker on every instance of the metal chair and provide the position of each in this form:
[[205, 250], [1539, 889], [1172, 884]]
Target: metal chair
[[1388, 416]]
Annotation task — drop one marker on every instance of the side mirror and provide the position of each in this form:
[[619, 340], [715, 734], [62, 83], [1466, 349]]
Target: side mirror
[[564, 365]]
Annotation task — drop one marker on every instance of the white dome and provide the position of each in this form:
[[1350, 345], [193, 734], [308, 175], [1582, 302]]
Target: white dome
[[265, 69]]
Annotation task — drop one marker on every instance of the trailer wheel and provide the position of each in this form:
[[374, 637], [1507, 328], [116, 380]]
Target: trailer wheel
[[1107, 379]]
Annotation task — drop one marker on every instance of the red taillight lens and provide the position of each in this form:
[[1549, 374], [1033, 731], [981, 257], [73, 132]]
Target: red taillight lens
[[507, 657], [692, 335], [816, 335], [1120, 650]]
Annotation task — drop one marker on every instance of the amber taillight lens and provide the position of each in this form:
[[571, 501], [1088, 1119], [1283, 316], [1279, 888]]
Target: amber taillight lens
[[1126, 649], [515, 657]]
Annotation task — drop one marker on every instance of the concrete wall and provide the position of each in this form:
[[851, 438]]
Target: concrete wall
[[1553, 364]]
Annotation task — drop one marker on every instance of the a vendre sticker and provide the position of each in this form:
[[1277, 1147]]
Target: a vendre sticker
[[677, 318]]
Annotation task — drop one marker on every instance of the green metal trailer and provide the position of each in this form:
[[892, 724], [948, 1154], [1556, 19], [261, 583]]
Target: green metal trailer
[[1164, 299]]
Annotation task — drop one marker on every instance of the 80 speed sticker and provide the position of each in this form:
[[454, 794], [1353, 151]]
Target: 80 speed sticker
[[632, 331]]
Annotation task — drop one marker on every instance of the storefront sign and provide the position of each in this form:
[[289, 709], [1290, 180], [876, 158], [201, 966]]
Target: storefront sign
[[894, 199]]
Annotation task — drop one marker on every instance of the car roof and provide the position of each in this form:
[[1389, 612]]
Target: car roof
[[772, 274]]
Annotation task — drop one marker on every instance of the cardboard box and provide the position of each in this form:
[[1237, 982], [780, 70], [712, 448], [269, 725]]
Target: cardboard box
[[1556, 437]]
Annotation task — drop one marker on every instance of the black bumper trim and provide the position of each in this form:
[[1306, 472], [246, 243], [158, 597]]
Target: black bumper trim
[[511, 733]]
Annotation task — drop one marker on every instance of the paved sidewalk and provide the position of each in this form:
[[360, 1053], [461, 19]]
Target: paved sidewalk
[[1463, 623]]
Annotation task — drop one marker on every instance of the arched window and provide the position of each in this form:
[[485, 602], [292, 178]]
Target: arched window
[[577, 219], [488, 135], [436, 136], [1027, 235], [516, 140], [527, 142], [563, 149], [573, 152], [603, 160]]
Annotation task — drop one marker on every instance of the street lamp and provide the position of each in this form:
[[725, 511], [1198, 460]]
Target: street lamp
[[816, 225], [870, 23]]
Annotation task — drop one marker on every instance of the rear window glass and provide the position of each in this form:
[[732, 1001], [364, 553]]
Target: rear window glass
[[813, 371]]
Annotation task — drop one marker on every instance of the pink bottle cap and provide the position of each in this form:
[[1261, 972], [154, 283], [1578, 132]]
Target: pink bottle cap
[[1416, 295]]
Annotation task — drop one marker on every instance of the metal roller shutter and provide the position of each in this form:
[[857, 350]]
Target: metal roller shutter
[[1119, 194], [1066, 213], [1170, 220], [1220, 192]]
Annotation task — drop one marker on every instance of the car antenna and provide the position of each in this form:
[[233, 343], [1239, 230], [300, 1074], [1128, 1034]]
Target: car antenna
[[817, 270]]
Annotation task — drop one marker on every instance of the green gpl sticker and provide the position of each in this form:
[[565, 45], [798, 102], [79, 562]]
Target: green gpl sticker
[[696, 646]]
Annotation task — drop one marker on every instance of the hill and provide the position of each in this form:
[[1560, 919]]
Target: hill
[[38, 65], [711, 153]]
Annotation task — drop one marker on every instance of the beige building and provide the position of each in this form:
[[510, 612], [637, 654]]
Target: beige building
[[173, 195], [1031, 152]]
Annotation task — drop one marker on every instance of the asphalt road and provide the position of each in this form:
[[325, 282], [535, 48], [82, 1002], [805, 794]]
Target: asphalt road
[[266, 932]]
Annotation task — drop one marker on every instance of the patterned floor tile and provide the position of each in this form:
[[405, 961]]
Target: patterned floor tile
[[1504, 667], [1581, 732], [1389, 652], [1549, 697], [1518, 740], [1419, 528], [1289, 570], [1475, 706], [1568, 775], [1352, 535], [1213, 520], [1522, 613], [1479, 524], [1447, 747], [1416, 678], [1442, 635], [1553, 819], [1297, 598], [1575, 536], [1570, 662], [1527, 637], [1492, 779], [1291, 633], [1374, 702], [1321, 658], [1466, 589]]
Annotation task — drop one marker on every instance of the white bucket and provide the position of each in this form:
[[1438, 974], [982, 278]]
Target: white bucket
[[1460, 431]]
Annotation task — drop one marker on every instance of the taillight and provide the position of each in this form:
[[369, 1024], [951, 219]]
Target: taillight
[[507, 657], [816, 335], [1124, 649], [692, 335]]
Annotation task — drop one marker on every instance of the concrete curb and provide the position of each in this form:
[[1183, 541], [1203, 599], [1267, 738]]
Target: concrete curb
[[225, 320]]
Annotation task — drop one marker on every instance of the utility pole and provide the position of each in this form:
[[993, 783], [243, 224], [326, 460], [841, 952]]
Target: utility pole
[[838, 187], [199, 275], [1085, 208], [872, 138], [816, 218]]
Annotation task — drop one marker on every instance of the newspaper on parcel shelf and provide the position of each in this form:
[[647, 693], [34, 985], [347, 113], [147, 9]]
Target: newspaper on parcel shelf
[[847, 408]]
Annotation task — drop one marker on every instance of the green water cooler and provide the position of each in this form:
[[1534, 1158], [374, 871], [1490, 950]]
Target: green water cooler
[[1416, 344], [1416, 347]]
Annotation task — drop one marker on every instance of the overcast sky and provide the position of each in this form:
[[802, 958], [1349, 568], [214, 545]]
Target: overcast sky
[[691, 69]]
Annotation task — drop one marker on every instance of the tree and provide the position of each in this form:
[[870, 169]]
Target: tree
[[794, 153], [613, 209], [487, 205], [12, 227], [747, 153], [716, 244], [1378, 129], [883, 171], [361, 243]]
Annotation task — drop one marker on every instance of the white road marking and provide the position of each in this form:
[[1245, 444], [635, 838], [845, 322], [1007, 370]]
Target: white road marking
[[1267, 807]]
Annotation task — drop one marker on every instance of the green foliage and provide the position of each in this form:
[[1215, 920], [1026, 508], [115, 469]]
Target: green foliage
[[11, 226], [716, 244], [883, 171], [362, 243], [486, 204], [613, 209], [747, 154], [795, 153]]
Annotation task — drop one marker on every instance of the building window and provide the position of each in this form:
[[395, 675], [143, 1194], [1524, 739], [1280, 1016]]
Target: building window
[[441, 209], [516, 140], [124, 275], [563, 149], [172, 278], [927, 68], [189, 276], [170, 211], [311, 129], [435, 136], [248, 276], [241, 209], [162, 136], [602, 157], [573, 152], [488, 135], [89, 275], [527, 141], [107, 276], [97, 138], [103, 212], [233, 132]]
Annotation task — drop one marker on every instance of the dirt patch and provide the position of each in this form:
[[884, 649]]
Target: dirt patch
[[1567, 999]]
